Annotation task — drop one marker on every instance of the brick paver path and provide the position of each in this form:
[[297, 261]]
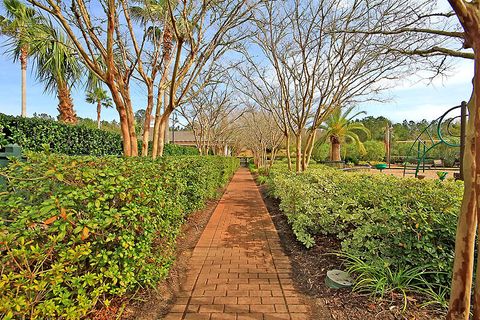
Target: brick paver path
[[238, 268]]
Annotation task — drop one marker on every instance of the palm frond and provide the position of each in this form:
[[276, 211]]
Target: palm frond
[[56, 60]]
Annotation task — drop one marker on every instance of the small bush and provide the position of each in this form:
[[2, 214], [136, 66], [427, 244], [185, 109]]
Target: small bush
[[76, 231], [375, 151], [321, 151]]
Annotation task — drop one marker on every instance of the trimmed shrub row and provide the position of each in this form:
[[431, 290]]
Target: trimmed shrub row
[[76, 231], [375, 151], [33, 133], [404, 223]]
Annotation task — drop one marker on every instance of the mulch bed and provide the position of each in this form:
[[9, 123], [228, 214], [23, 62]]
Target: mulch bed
[[310, 267], [149, 304]]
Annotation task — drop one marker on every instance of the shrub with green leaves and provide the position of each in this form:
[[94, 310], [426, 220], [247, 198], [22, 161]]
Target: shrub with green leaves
[[375, 151], [403, 222], [33, 133], [77, 231], [171, 149]]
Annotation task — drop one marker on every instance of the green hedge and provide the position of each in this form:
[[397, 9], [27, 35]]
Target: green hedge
[[33, 133], [76, 231], [403, 222], [171, 149]]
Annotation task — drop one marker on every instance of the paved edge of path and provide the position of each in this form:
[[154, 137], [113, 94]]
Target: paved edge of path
[[238, 269]]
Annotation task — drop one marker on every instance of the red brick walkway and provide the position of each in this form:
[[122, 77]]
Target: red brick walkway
[[238, 268]]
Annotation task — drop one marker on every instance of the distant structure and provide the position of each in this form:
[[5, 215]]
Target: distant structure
[[187, 138]]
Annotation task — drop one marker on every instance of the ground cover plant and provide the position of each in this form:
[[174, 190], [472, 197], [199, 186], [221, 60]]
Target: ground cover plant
[[77, 231], [384, 223]]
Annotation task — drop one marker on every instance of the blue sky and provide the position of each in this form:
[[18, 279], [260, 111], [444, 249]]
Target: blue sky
[[419, 99], [411, 100]]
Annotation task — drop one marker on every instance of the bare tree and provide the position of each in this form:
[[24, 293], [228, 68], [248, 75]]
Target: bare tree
[[259, 87], [102, 38], [421, 20], [261, 134], [212, 111], [119, 42], [205, 32], [426, 30], [317, 66]]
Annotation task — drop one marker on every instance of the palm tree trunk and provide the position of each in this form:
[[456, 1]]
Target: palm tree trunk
[[99, 110], [65, 104], [335, 151], [23, 64]]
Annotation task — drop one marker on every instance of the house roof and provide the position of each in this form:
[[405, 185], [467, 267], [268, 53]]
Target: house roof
[[182, 136]]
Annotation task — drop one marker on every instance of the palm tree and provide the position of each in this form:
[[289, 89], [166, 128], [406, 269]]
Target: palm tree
[[17, 25], [99, 96], [58, 67], [339, 128]]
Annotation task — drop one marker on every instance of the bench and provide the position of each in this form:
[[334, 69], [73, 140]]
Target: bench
[[438, 163]]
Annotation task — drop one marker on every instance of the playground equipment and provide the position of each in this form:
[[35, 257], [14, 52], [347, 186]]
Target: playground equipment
[[427, 140], [381, 166], [442, 175]]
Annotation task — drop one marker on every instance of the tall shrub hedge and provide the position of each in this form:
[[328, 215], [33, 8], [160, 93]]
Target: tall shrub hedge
[[33, 133], [75, 231], [403, 222]]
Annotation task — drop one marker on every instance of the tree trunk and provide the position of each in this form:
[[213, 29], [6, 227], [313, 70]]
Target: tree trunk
[[148, 120], [476, 294], [298, 142], [289, 156], [120, 106], [171, 105], [459, 306], [273, 154], [163, 125], [127, 147], [335, 149], [460, 298], [65, 104], [156, 126], [476, 115], [307, 153], [130, 121], [166, 132], [158, 111], [99, 110], [23, 65]]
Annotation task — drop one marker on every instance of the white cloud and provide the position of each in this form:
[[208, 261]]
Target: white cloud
[[461, 73]]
